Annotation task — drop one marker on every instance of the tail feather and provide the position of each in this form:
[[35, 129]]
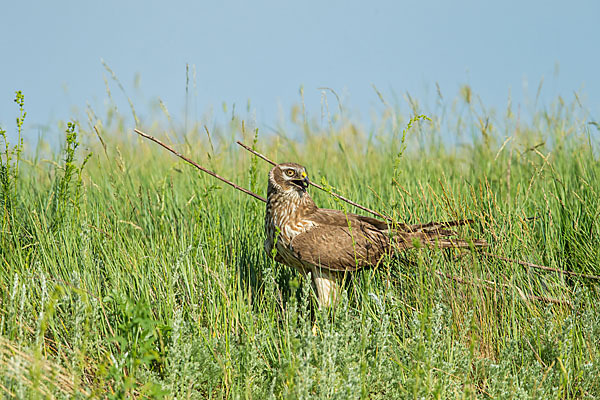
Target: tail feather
[[436, 234]]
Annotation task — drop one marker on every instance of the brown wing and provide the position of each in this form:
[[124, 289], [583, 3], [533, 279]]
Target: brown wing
[[331, 245], [325, 216], [340, 248]]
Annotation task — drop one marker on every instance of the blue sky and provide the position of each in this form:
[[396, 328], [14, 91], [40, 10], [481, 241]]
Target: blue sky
[[265, 50]]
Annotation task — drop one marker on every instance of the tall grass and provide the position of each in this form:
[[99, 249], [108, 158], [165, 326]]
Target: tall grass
[[125, 273]]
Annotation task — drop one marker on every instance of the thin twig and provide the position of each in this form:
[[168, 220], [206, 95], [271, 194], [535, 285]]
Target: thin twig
[[535, 353], [155, 140], [256, 153], [491, 285], [532, 265]]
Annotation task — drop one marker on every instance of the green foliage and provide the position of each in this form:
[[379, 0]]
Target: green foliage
[[253, 171], [68, 192], [9, 165], [134, 277], [137, 343], [409, 125]]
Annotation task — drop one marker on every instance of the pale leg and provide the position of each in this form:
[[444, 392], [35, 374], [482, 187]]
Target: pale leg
[[326, 285]]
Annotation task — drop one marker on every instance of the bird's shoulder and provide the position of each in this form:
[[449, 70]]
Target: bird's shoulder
[[329, 217]]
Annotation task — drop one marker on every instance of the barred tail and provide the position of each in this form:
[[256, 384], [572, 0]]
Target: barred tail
[[436, 234]]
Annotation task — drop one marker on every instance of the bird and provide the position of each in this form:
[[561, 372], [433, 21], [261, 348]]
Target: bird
[[327, 243]]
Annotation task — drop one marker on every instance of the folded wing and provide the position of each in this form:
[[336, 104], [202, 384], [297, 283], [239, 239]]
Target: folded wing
[[348, 242]]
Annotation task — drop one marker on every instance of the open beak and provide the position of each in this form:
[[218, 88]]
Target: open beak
[[304, 182]]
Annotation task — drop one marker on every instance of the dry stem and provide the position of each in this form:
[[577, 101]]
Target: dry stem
[[155, 140]]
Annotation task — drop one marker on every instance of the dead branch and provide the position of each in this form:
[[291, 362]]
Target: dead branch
[[543, 267], [155, 140], [491, 285]]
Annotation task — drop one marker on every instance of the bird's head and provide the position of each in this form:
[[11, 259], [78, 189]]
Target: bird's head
[[289, 178]]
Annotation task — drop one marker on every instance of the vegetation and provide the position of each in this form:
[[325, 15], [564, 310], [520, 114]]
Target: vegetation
[[126, 273]]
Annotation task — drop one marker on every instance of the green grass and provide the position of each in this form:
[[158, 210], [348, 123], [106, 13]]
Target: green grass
[[127, 273]]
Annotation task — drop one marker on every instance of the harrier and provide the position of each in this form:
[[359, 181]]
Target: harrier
[[328, 243]]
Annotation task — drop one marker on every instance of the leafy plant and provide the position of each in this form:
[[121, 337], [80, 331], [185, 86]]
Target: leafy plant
[[9, 164], [68, 191]]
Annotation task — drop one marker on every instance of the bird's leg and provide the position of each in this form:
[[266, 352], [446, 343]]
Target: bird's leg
[[326, 285]]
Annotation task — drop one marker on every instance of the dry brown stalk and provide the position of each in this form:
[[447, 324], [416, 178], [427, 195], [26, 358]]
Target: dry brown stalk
[[155, 140], [491, 285], [20, 364], [545, 268]]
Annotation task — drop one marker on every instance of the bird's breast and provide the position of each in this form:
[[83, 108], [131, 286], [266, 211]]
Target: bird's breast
[[286, 217]]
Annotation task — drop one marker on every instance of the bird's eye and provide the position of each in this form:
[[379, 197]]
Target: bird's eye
[[289, 172]]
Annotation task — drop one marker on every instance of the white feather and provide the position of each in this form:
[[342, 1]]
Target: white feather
[[326, 285]]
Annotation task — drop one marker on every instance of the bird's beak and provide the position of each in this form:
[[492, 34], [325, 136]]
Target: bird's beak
[[305, 181]]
